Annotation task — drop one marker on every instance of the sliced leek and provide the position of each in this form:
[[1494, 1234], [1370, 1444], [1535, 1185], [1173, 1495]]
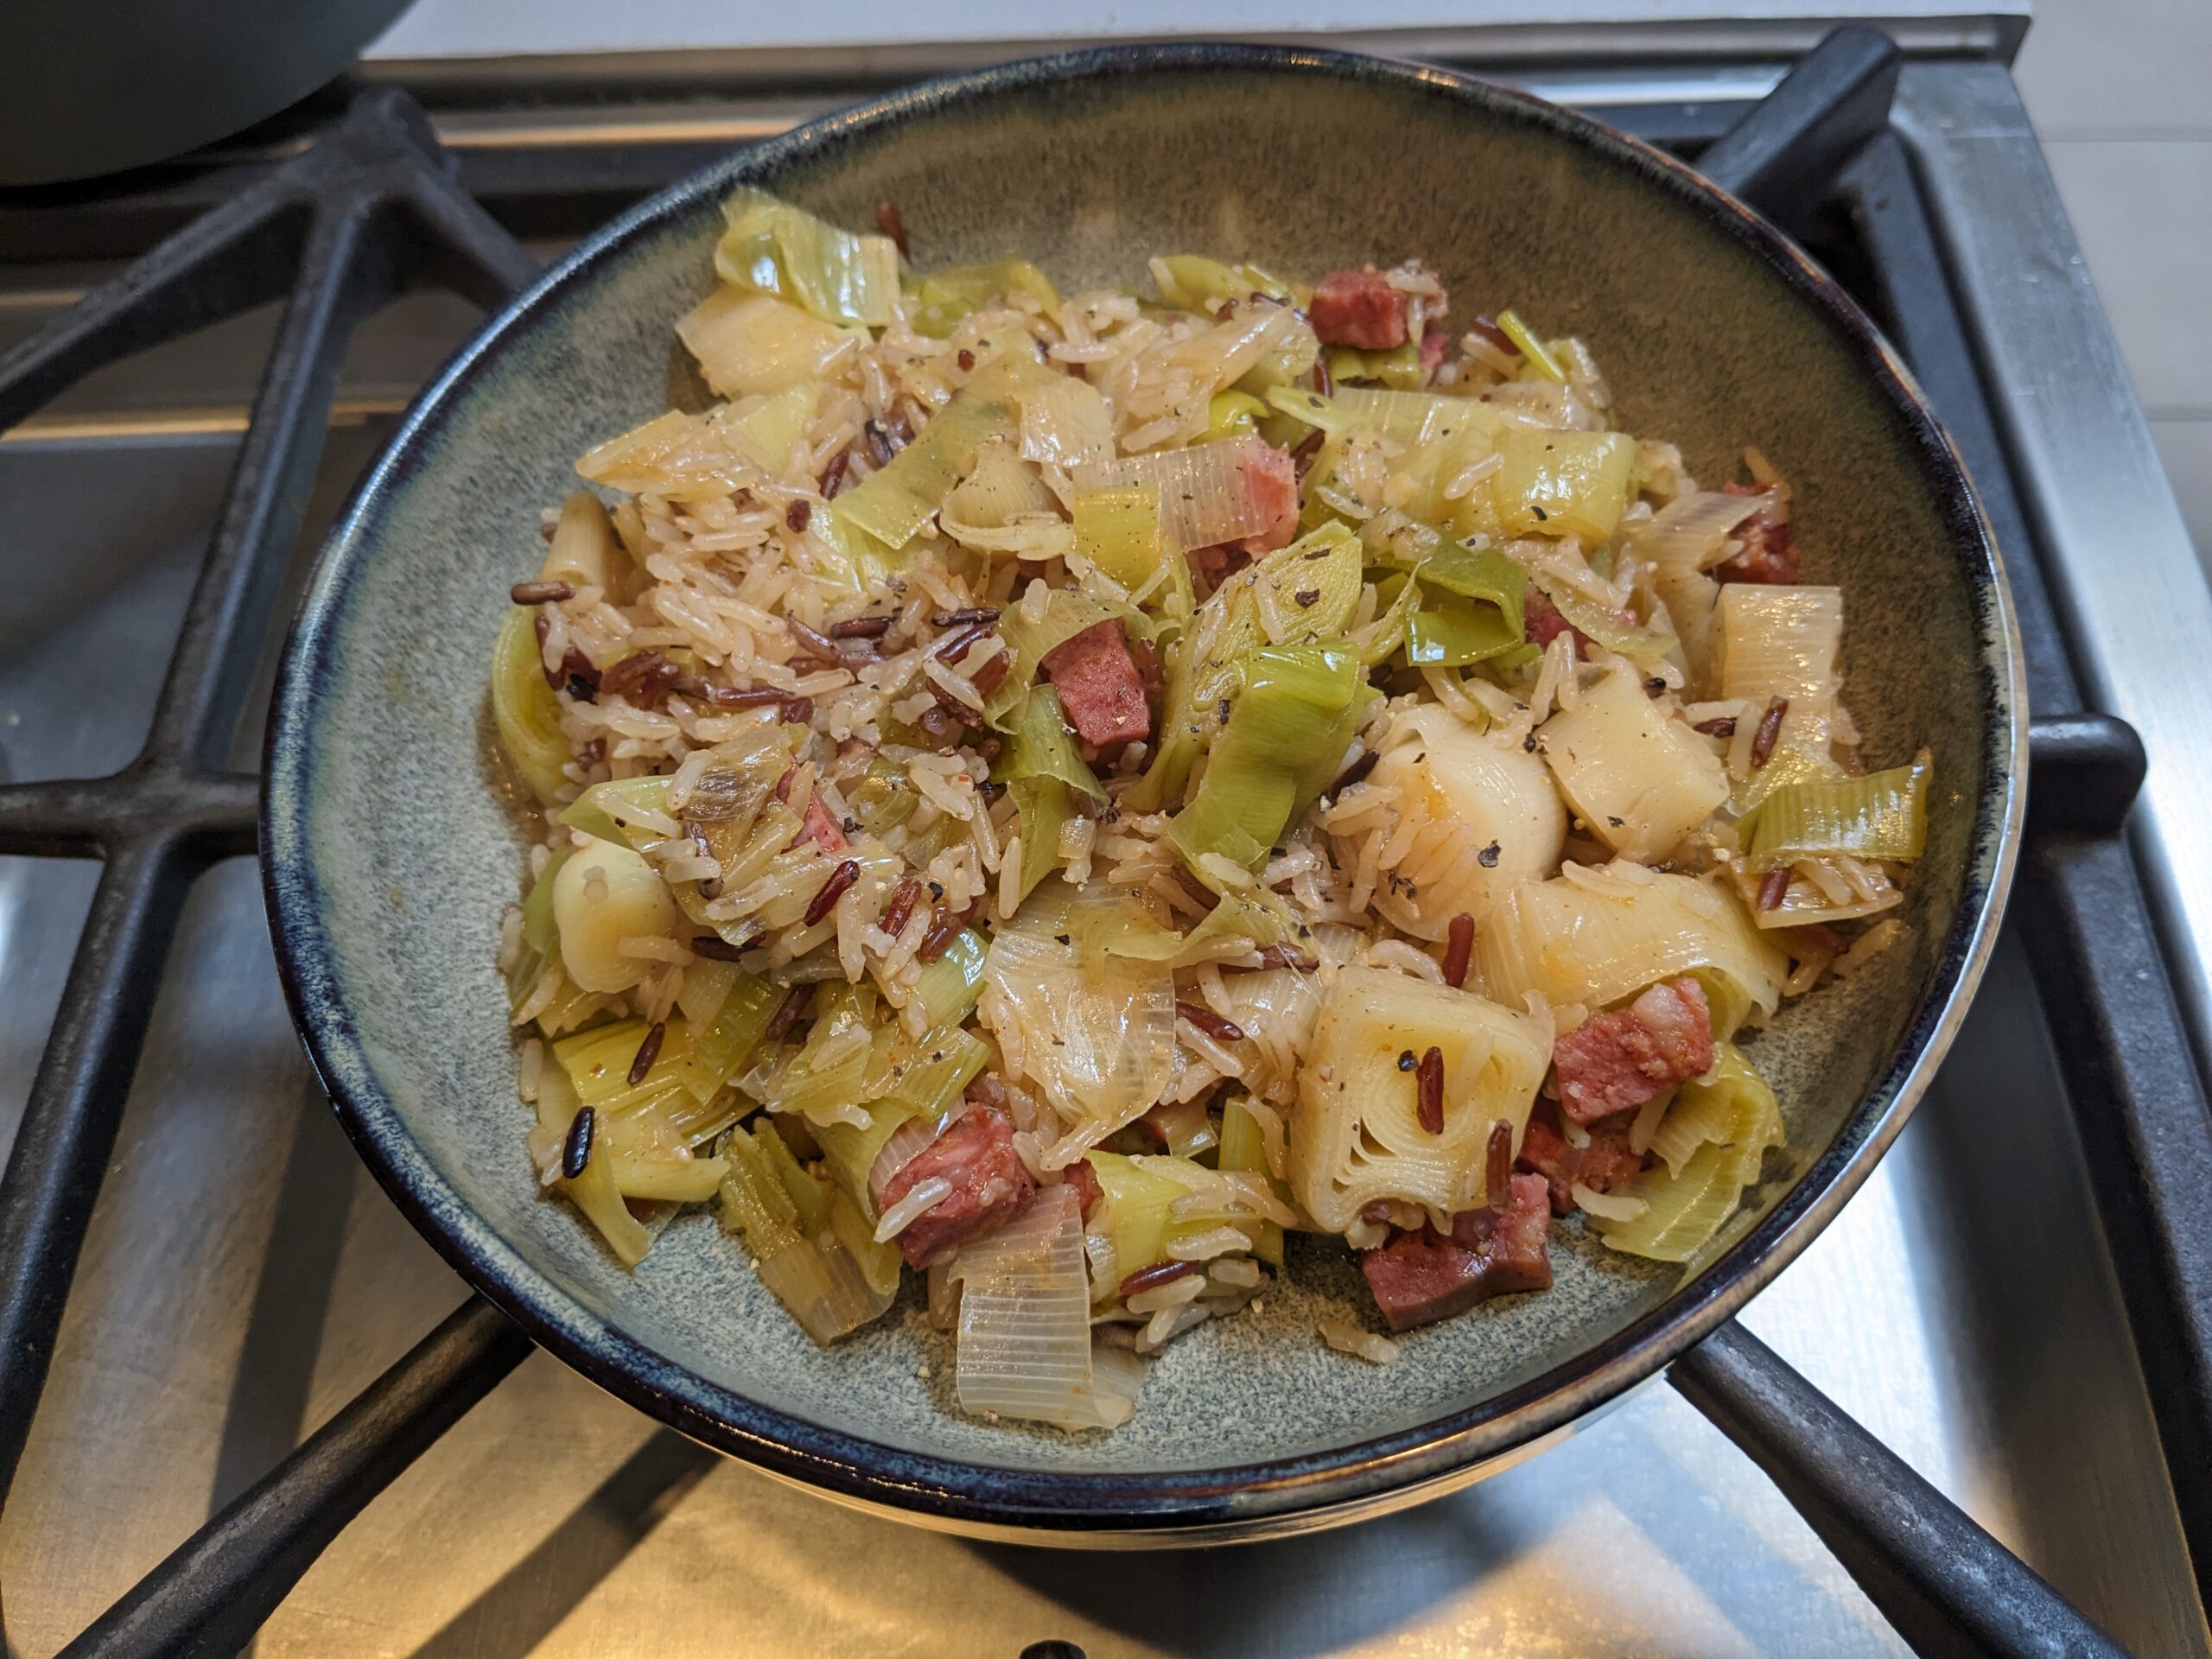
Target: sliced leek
[[1881, 815], [772, 247], [526, 708]]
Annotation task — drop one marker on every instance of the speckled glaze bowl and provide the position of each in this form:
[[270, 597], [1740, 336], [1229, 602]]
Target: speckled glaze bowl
[[392, 840]]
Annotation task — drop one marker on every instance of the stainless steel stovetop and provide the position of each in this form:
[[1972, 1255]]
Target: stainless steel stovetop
[[243, 1277]]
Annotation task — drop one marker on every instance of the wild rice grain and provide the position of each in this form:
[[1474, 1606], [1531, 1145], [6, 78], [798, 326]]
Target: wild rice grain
[[879, 446], [1221, 1030], [1152, 1278], [714, 948], [798, 513], [966, 360], [987, 678], [1497, 1164], [648, 1051], [832, 890], [1428, 1079], [1775, 887], [953, 647], [964, 615], [861, 627], [1459, 947], [942, 932], [1288, 956], [756, 697], [1763, 740], [833, 475], [787, 1013], [799, 711], [575, 1151], [900, 911], [1723, 726], [541, 593]]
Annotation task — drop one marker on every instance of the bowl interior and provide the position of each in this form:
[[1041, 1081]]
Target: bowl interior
[[408, 833]]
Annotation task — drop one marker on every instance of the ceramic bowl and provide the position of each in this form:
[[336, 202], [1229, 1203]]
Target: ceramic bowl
[[393, 840]]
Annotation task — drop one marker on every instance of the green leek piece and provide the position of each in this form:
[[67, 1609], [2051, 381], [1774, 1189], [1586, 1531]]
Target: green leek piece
[[1881, 815], [1315, 584], [721, 1052], [595, 1193], [768, 427], [1712, 1145], [1243, 919], [1459, 632], [948, 988], [1292, 707], [1133, 1213], [754, 1200], [1481, 574], [1186, 1125], [831, 1067], [1640, 642], [883, 799], [925, 1083], [667, 1177], [693, 1064], [1244, 1148], [539, 931], [822, 1285], [600, 810], [527, 711], [880, 1265], [1537, 354], [772, 247], [597, 1063], [1204, 672], [1193, 282], [943, 299], [1042, 806], [857, 558], [809, 1197], [748, 343], [1231, 415], [1475, 614], [1042, 746], [892, 504], [1118, 530], [1400, 368], [1395, 595], [1553, 483]]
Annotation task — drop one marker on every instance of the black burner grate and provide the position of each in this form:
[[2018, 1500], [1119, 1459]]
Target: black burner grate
[[372, 209]]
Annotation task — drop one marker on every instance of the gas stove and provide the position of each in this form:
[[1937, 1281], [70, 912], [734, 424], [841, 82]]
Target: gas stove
[[2019, 1302]]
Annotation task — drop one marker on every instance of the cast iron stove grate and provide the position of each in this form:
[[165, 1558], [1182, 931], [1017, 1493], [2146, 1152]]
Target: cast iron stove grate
[[372, 209]]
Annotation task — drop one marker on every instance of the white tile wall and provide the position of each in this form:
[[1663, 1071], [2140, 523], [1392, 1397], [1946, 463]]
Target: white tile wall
[[2120, 92]]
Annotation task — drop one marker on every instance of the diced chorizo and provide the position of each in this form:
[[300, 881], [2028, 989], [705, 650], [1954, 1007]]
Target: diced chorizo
[[1601, 1166], [1421, 1277], [990, 1185], [1080, 1176], [1358, 309], [1215, 565], [818, 823], [1542, 623], [1435, 346], [1100, 688], [1268, 478], [1767, 555], [1617, 1061]]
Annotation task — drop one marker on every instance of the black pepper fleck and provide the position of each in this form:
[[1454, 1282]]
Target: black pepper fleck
[[1406, 1061], [1488, 857]]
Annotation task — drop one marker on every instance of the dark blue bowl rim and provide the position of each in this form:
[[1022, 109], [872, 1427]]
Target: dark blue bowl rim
[[967, 1495]]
